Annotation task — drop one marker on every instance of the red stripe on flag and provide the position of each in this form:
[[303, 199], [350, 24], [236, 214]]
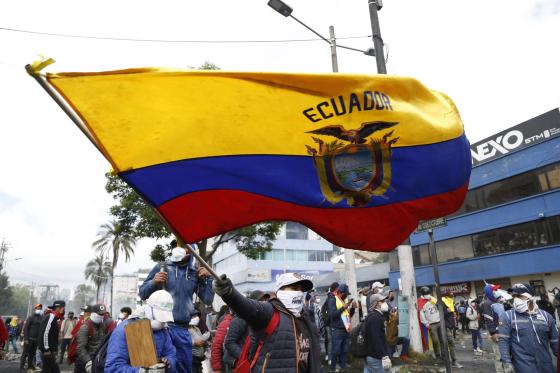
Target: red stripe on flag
[[200, 215]]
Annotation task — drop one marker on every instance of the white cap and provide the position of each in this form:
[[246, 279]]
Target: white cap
[[293, 278], [377, 284], [162, 303]]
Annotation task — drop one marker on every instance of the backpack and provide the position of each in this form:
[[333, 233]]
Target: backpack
[[326, 320], [358, 343], [98, 360], [243, 364], [73, 347]]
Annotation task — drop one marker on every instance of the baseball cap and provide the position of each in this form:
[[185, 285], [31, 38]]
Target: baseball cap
[[376, 298], [293, 278], [162, 304], [99, 309], [58, 303], [343, 288], [519, 289], [87, 308], [377, 284], [256, 295]]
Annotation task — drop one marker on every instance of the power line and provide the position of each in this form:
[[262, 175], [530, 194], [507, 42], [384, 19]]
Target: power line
[[110, 38]]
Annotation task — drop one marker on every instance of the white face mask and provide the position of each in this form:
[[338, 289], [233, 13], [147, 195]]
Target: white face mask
[[96, 318], [292, 300], [384, 307], [121, 316], [194, 321], [178, 254], [38, 312], [520, 305], [427, 296]]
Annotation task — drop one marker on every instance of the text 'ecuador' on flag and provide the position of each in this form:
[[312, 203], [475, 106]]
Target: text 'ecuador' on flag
[[360, 159]]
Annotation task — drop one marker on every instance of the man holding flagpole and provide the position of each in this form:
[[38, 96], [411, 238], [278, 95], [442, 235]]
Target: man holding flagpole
[[181, 279]]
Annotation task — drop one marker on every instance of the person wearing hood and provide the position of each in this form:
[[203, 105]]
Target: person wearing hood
[[30, 335], [492, 319], [89, 337], [526, 333], [378, 353], [200, 343], [181, 279], [48, 336], [13, 333], [293, 345], [159, 310]]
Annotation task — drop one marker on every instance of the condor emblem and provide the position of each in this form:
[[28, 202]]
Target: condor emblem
[[357, 171]]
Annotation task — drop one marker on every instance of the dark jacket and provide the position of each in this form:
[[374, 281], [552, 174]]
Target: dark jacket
[[235, 337], [31, 328], [449, 318], [48, 333], [278, 354], [375, 335], [182, 283], [334, 314], [490, 317], [86, 345]]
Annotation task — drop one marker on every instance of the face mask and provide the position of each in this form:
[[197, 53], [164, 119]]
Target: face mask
[[178, 254], [194, 321], [520, 305], [292, 300], [427, 296], [70, 317], [122, 316], [384, 307], [38, 312], [96, 318]]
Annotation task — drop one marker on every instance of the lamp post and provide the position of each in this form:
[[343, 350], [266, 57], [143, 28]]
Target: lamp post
[[286, 10]]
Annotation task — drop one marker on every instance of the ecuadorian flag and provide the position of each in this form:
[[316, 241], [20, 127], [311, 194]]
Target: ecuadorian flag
[[360, 159]]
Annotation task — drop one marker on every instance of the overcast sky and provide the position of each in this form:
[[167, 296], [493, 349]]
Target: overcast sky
[[498, 60]]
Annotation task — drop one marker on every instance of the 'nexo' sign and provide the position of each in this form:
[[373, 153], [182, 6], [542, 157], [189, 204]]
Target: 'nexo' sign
[[525, 134]]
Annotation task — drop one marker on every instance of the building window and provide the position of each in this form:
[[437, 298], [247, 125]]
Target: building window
[[516, 187], [296, 231], [534, 234]]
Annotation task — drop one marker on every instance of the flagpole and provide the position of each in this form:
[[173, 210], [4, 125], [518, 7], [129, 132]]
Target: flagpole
[[79, 123], [62, 104]]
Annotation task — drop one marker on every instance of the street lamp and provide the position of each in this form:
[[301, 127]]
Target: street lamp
[[286, 10]]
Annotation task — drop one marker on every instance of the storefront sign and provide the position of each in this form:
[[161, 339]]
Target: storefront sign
[[431, 224], [258, 275], [534, 131], [458, 288]]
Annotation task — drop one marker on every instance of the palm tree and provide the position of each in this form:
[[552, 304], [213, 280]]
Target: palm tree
[[98, 270], [114, 238]]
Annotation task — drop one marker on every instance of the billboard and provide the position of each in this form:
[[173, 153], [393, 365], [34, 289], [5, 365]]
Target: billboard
[[539, 129]]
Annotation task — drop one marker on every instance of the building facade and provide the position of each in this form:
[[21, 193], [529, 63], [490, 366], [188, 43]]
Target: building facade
[[508, 229], [297, 249]]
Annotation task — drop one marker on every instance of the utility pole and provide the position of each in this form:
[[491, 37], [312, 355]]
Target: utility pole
[[349, 257], [4, 246], [374, 6], [30, 302], [408, 290]]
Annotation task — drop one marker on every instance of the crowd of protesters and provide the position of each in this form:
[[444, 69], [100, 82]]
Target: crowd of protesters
[[286, 330]]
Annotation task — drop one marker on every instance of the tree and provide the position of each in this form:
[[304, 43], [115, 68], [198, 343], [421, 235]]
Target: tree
[[141, 219], [114, 238], [83, 295], [98, 270], [5, 290]]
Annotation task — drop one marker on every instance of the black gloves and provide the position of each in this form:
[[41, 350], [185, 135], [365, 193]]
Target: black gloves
[[223, 286]]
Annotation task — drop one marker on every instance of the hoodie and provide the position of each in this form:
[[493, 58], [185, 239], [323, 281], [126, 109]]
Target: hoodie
[[182, 283], [490, 316]]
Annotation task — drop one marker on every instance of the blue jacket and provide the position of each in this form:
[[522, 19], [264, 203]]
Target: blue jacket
[[181, 284], [524, 340], [334, 314], [118, 360]]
